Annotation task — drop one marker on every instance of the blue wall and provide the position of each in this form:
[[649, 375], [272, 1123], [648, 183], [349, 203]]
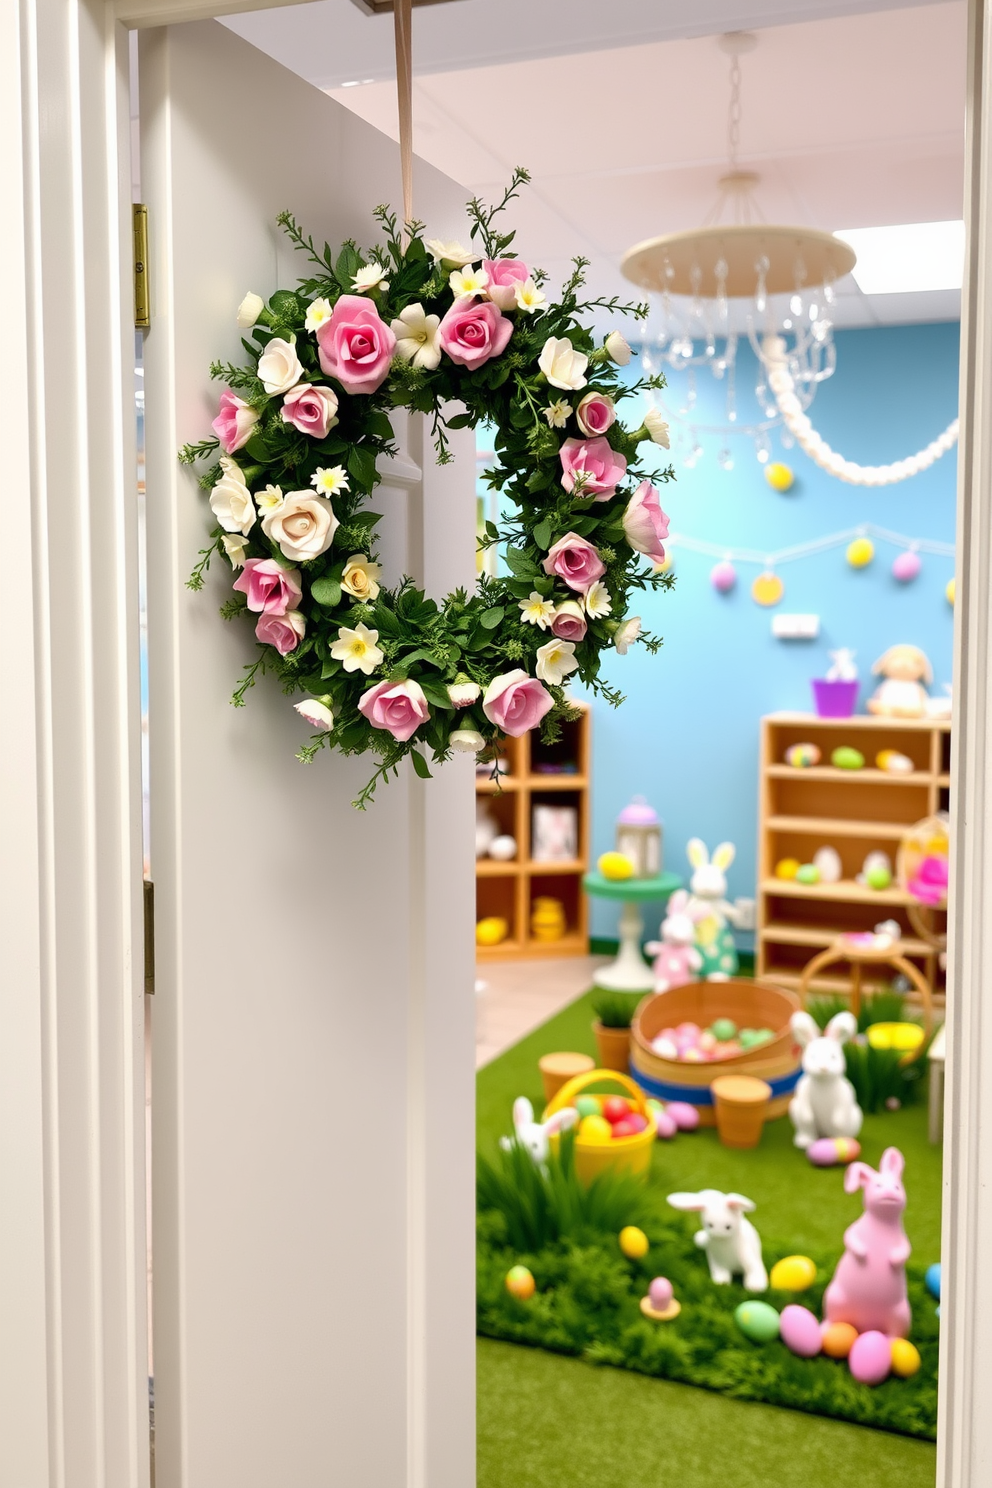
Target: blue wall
[[687, 736]]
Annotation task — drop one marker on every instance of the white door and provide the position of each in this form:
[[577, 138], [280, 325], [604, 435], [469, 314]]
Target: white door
[[313, 1020]]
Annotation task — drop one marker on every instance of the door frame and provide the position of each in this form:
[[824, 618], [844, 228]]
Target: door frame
[[73, 1393]]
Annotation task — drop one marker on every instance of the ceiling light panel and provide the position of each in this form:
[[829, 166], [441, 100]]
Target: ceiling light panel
[[909, 258]]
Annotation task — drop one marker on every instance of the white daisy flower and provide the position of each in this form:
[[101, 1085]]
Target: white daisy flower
[[557, 414], [269, 499], [597, 600], [330, 480], [317, 313], [537, 610], [372, 276]]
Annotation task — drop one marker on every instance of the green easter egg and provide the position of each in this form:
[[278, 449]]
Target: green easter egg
[[757, 1320], [751, 1037], [808, 874], [846, 758], [588, 1105], [878, 878], [723, 1030]]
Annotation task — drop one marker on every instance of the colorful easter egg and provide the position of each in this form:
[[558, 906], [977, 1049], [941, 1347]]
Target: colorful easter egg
[[595, 1129], [637, 1121], [907, 566], [491, 930], [625, 1128], [838, 1339], [615, 866], [932, 1280], [779, 476], [686, 1117], [846, 757], [894, 763], [793, 1274], [751, 1038], [661, 1293], [860, 552], [950, 591], [723, 1029], [878, 877], [758, 1321], [520, 1283], [663, 1123], [905, 1358], [633, 1242], [826, 861], [827, 1152], [802, 756], [767, 589], [808, 873], [723, 576], [588, 1105], [870, 1358], [616, 1107], [787, 867], [666, 1047], [800, 1331]]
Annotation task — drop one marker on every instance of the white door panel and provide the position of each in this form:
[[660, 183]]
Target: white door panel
[[313, 1016]]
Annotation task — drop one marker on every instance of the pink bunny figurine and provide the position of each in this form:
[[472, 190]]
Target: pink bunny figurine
[[677, 960], [869, 1285]]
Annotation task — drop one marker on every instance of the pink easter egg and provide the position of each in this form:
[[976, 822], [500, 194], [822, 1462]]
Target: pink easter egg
[[870, 1358], [800, 1331], [688, 1031], [637, 1121], [906, 567], [665, 1126], [625, 1128], [668, 1033], [661, 1293], [723, 576], [827, 1152], [686, 1117]]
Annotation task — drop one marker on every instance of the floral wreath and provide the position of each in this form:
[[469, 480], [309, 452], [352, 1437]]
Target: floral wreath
[[422, 325]]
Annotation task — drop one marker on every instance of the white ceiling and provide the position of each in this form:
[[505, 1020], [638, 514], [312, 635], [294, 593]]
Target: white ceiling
[[853, 116]]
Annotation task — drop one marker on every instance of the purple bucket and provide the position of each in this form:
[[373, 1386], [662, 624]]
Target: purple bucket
[[834, 699]]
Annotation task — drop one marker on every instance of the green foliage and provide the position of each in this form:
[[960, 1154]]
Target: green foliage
[[879, 1075], [615, 1009], [876, 1007]]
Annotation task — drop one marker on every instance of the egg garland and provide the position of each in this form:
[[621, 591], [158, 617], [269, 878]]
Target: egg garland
[[389, 670]]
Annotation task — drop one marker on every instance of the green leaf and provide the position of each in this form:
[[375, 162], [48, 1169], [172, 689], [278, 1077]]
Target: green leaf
[[257, 448], [489, 619], [542, 534], [460, 421], [518, 563], [361, 466], [326, 592], [539, 480], [378, 425], [347, 267], [420, 765], [492, 531], [284, 304], [435, 694]]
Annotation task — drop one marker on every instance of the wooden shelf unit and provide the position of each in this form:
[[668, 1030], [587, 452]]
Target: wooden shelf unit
[[509, 889], [854, 811]]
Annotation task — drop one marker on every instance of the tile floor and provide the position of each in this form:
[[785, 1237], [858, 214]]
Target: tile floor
[[512, 997]]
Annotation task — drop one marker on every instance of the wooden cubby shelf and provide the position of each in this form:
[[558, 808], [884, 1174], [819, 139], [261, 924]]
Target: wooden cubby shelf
[[509, 889], [853, 811]]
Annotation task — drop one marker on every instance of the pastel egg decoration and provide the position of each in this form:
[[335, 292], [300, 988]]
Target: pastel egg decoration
[[661, 1293], [491, 930], [808, 873], [827, 1152], [932, 1280], [907, 566], [802, 756], [520, 1283], [616, 1108], [588, 1105], [615, 866], [767, 589], [751, 1038], [792, 1274], [846, 757], [595, 1129], [905, 1358], [723, 576], [860, 552], [633, 1242], [800, 1331], [787, 868], [685, 1116], [950, 592], [826, 861], [723, 1030], [663, 1123], [780, 477], [870, 1359], [894, 763], [758, 1321], [838, 1339], [878, 877]]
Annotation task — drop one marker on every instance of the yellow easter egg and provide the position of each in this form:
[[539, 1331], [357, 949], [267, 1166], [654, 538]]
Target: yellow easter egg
[[633, 1242], [595, 1129], [793, 1274], [860, 552], [950, 591], [787, 867], [616, 866], [520, 1283], [767, 589], [779, 476], [491, 931], [905, 1358]]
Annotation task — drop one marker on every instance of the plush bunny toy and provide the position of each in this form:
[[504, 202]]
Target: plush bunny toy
[[709, 908], [535, 1135], [824, 1104], [677, 960]]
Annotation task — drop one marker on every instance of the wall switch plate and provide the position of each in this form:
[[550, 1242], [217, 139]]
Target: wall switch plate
[[744, 914], [796, 627]]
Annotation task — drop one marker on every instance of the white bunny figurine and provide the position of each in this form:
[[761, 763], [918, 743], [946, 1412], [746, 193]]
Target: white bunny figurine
[[825, 1104], [533, 1134], [709, 908], [677, 960], [731, 1243]]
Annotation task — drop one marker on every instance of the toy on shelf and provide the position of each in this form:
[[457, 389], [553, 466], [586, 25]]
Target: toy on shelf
[[894, 763], [803, 756], [677, 959], [807, 873], [660, 1302], [639, 838], [826, 861], [503, 848], [846, 757], [876, 871], [901, 694], [615, 866], [730, 1240], [836, 694], [868, 1289], [491, 930], [547, 918], [536, 1136], [787, 868], [554, 834], [709, 909], [824, 1104]]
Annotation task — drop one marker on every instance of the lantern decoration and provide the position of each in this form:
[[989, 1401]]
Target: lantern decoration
[[723, 576], [907, 566], [639, 837], [767, 588], [860, 552], [779, 477]]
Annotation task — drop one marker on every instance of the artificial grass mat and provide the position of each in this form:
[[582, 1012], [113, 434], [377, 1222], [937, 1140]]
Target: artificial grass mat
[[588, 1293]]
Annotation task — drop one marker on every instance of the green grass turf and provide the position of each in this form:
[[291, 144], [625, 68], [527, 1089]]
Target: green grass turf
[[551, 1422]]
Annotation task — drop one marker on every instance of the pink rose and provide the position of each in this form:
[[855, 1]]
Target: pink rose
[[568, 622], [285, 632], [398, 707], [576, 561], [234, 423], [473, 331], [504, 273], [356, 345], [602, 467], [312, 410], [595, 414], [269, 587], [515, 702], [645, 524]]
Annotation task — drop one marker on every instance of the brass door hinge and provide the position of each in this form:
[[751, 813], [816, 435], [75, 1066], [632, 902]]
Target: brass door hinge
[[142, 301], [149, 892]]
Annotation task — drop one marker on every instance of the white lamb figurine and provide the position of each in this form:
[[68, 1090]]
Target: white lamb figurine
[[825, 1103], [535, 1135], [731, 1243]]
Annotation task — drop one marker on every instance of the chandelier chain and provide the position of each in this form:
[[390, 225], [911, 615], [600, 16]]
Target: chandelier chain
[[734, 112]]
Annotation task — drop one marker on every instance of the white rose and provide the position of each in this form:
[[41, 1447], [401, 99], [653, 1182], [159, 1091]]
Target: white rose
[[467, 741], [230, 499], [235, 548], [303, 526], [451, 254], [562, 365], [617, 349], [249, 310], [279, 367], [463, 693], [316, 712], [657, 428], [626, 634]]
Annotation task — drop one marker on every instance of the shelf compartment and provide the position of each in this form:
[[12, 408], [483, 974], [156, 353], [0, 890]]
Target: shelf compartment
[[815, 826], [866, 776], [494, 868], [818, 937], [844, 892]]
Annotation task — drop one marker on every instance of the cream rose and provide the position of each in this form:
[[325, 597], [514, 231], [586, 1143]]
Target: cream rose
[[617, 349], [657, 428], [466, 741], [303, 526], [279, 367], [249, 310], [562, 365], [360, 578], [230, 499]]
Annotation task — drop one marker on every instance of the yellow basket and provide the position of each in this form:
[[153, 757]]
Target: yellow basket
[[624, 1154]]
